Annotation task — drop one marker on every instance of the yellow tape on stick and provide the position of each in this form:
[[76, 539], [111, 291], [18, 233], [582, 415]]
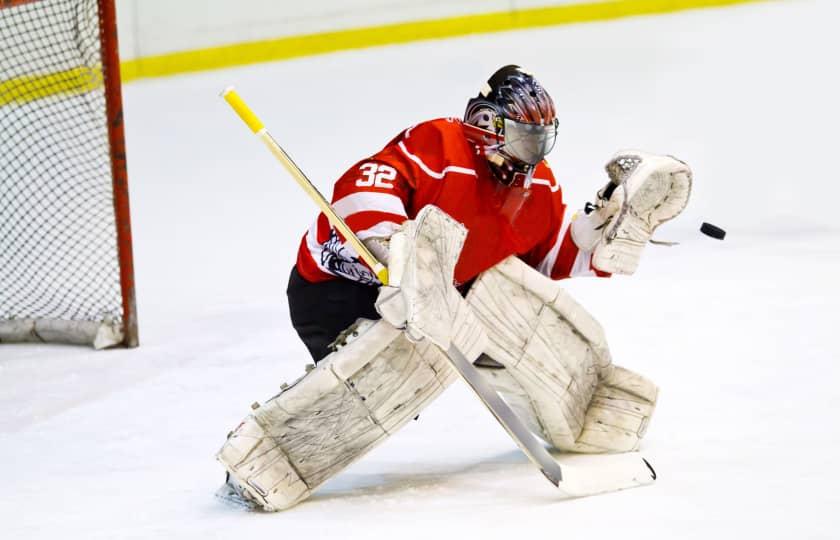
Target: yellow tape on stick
[[242, 109]]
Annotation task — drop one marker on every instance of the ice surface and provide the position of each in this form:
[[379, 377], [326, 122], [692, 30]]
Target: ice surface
[[741, 334]]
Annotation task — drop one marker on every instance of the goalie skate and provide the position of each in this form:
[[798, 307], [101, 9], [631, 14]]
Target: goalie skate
[[353, 400], [235, 494]]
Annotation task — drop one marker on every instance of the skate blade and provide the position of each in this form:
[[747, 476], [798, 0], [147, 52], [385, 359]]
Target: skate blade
[[231, 496]]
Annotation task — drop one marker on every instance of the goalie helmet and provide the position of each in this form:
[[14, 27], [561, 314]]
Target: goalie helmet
[[516, 120]]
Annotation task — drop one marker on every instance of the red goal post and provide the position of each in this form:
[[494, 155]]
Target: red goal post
[[66, 265]]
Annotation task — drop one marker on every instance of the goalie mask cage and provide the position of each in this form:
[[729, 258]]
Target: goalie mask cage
[[66, 270]]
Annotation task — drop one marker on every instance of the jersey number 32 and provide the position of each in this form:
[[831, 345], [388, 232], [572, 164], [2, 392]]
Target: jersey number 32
[[377, 175]]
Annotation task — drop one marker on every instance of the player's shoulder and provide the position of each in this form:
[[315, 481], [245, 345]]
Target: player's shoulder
[[438, 131], [431, 148]]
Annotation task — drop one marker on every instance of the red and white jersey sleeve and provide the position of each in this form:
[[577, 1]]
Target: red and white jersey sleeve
[[559, 257], [556, 255], [371, 198]]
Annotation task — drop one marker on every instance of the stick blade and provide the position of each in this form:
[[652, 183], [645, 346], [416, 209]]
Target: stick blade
[[606, 473]]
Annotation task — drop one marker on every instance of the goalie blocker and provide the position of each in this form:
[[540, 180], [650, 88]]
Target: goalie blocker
[[559, 378]]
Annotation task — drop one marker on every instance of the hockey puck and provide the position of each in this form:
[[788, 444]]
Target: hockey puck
[[710, 230]]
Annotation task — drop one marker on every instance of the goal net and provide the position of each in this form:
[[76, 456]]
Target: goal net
[[66, 272]]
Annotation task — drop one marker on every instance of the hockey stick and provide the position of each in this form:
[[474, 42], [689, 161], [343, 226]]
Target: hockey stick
[[574, 483], [257, 127], [612, 474]]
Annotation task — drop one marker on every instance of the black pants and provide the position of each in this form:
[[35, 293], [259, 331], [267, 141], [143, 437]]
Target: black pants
[[320, 311]]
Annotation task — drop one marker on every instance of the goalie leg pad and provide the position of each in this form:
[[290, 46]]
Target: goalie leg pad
[[556, 354], [420, 295], [515, 396], [619, 413], [353, 400]]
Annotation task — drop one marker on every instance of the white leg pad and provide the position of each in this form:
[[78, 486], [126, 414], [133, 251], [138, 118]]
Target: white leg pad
[[515, 396], [561, 376], [353, 400], [618, 415]]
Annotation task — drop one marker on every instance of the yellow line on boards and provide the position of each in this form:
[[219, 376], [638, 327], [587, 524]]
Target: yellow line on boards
[[69, 82], [307, 45], [84, 79]]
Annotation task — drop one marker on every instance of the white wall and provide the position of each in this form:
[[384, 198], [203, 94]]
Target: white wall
[[152, 27]]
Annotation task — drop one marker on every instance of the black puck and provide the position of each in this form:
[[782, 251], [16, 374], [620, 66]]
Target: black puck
[[710, 230]]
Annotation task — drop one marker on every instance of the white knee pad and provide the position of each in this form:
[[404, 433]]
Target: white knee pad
[[350, 402]]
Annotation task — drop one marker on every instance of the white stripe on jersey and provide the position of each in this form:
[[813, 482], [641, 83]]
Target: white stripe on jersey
[[543, 182], [547, 264], [430, 172], [383, 229], [367, 201], [582, 266]]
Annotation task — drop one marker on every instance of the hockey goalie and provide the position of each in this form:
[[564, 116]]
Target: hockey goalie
[[473, 227]]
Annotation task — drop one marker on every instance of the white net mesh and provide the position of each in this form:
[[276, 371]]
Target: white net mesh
[[58, 248]]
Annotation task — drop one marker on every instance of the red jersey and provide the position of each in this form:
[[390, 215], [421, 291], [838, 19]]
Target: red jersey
[[435, 163]]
